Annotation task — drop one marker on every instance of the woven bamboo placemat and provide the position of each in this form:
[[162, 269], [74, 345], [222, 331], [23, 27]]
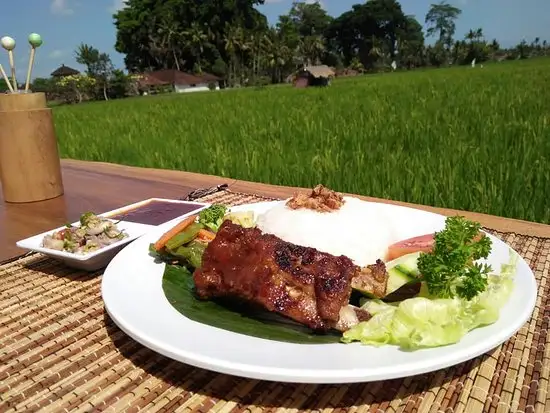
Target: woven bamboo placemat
[[59, 351]]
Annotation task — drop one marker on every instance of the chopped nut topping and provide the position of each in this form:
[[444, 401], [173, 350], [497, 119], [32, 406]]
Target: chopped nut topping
[[320, 199]]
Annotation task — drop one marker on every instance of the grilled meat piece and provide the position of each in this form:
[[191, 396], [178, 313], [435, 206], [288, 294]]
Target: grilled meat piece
[[301, 283], [373, 279]]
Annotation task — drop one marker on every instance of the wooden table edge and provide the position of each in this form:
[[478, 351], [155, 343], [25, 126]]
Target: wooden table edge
[[277, 191]]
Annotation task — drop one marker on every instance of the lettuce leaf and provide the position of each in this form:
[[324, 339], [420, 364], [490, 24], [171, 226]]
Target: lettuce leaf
[[423, 321]]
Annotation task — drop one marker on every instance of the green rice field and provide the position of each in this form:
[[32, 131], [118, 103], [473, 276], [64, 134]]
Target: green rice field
[[473, 139]]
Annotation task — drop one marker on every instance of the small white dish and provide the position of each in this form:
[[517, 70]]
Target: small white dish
[[91, 261], [98, 259]]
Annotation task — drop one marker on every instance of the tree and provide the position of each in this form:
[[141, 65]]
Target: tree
[[137, 26], [389, 20], [88, 56], [371, 32], [171, 36], [411, 43], [346, 34], [98, 65], [441, 20], [278, 54], [104, 71], [232, 44], [231, 38], [311, 49], [436, 54], [3, 86], [522, 50], [76, 86], [309, 19], [195, 38], [41, 84], [119, 85]]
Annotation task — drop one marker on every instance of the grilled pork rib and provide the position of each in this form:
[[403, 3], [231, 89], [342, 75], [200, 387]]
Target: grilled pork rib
[[308, 286], [373, 279]]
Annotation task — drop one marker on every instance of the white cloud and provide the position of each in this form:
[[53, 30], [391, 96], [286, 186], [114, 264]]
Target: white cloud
[[56, 54], [273, 1], [116, 6], [61, 7]]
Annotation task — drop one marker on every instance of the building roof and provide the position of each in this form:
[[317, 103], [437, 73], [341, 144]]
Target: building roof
[[209, 77], [320, 71], [148, 80], [173, 76], [64, 71]]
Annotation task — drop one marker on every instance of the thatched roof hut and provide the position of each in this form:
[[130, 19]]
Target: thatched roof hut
[[320, 71], [63, 71], [320, 75]]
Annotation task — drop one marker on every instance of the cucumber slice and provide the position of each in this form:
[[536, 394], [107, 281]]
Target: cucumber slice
[[407, 264], [401, 271], [397, 279]]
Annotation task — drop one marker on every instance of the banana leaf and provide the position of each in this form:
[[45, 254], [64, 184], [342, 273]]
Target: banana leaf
[[179, 289]]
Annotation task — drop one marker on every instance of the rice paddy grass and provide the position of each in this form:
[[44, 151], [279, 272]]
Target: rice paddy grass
[[476, 139]]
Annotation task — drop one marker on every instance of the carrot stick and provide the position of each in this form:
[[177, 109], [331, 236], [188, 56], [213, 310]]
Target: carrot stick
[[206, 235], [180, 226]]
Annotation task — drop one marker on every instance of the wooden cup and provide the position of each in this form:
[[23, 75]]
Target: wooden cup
[[30, 168]]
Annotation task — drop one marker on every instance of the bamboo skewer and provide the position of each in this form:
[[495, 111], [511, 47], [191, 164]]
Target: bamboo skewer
[[29, 71], [9, 44], [35, 41], [12, 65], [6, 79]]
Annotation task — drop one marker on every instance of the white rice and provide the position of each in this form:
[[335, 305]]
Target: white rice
[[359, 230]]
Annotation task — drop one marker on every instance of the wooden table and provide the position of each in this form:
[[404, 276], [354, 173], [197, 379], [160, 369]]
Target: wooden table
[[62, 352], [101, 187]]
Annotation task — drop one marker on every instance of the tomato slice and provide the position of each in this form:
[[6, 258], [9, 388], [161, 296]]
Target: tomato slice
[[422, 243]]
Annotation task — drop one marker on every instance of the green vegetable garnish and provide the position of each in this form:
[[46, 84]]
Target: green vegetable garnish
[[212, 217], [184, 237], [450, 270], [86, 217], [193, 253], [423, 323]]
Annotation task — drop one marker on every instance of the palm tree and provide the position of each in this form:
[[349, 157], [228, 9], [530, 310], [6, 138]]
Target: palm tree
[[170, 35], [196, 38], [471, 35], [311, 49], [258, 46], [88, 56], [244, 46], [277, 55], [231, 45], [478, 34]]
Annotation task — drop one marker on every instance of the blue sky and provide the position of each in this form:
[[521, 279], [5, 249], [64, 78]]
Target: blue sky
[[65, 23]]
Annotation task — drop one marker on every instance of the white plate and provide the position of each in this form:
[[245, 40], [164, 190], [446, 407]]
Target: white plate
[[100, 258], [133, 296]]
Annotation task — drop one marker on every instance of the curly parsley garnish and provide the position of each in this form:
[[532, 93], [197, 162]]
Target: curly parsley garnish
[[450, 270]]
